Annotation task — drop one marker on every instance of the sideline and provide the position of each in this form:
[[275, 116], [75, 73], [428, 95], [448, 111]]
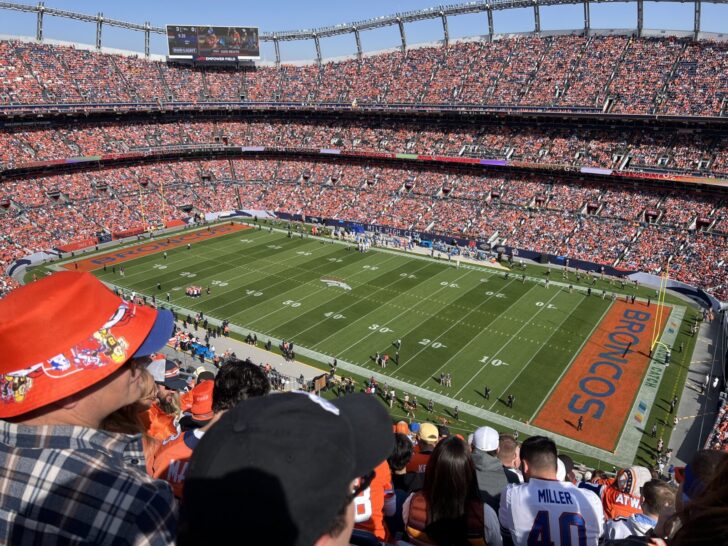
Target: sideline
[[118, 256]]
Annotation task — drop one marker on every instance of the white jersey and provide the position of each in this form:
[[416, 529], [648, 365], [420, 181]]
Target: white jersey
[[549, 512], [637, 524]]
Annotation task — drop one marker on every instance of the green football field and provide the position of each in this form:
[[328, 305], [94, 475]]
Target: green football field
[[512, 336]]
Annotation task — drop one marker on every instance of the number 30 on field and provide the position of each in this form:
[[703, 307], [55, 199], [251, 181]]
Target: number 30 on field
[[434, 344]]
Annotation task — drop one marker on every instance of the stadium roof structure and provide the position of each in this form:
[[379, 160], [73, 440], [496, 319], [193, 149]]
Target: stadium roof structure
[[355, 28]]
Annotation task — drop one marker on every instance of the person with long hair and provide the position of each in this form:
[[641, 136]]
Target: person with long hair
[[448, 510], [129, 419]]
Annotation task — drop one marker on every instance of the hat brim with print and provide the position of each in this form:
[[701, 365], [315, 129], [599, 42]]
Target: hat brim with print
[[281, 467], [66, 332]]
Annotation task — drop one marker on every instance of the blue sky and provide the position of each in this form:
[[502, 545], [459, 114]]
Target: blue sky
[[272, 15]]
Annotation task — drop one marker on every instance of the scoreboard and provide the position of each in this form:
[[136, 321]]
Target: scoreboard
[[202, 43]]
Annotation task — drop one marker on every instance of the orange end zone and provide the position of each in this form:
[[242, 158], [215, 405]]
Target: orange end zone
[[161, 244], [604, 378]]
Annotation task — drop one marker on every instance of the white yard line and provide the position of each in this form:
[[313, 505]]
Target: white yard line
[[538, 350], [172, 262], [315, 282], [475, 337], [381, 288], [514, 336], [390, 320], [248, 271], [586, 340], [455, 323]]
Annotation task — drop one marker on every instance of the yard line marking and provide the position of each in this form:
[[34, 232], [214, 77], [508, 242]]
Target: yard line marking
[[318, 290], [393, 319], [386, 303], [538, 350], [482, 330], [359, 301], [206, 255], [263, 269], [178, 258], [411, 359], [514, 336], [571, 361], [248, 271], [299, 283]]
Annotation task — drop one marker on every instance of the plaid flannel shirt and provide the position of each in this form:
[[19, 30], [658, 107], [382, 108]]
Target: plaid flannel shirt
[[71, 485]]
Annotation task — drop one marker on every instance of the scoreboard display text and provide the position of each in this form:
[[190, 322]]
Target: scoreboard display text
[[205, 42]]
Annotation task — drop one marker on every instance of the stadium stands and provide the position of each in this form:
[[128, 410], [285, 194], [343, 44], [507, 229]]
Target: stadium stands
[[571, 71], [718, 437], [537, 212], [543, 202], [629, 151], [534, 212]]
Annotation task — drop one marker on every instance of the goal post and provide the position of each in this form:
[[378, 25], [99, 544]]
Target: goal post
[[660, 310]]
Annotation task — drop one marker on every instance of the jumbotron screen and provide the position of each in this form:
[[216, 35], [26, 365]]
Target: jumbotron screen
[[214, 43]]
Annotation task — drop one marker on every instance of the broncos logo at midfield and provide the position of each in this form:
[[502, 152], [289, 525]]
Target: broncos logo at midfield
[[335, 282]]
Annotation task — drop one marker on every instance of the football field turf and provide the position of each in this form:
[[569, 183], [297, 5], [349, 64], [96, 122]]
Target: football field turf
[[516, 337]]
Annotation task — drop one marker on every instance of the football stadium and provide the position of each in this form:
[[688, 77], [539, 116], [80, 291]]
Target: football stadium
[[517, 240]]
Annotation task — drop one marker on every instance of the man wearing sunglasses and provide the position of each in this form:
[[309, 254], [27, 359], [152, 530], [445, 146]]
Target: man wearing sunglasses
[[72, 351], [284, 469]]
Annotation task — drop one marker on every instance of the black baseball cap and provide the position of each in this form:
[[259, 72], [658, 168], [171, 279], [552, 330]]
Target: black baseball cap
[[277, 469], [205, 375]]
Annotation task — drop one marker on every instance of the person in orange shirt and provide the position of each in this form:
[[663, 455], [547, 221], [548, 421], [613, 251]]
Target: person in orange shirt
[[402, 428], [427, 438], [621, 495], [161, 424], [375, 503], [201, 410], [157, 423], [235, 381]]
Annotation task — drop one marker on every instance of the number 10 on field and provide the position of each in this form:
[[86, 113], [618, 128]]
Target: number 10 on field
[[494, 362]]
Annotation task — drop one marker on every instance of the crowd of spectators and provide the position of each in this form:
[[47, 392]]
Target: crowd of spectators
[[683, 213], [575, 146], [643, 72], [187, 453], [718, 437], [547, 71], [703, 262], [551, 228], [624, 226], [700, 80], [653, 247], [589, 77]]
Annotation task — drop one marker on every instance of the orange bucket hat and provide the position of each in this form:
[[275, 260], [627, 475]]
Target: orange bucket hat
[[65, 333]]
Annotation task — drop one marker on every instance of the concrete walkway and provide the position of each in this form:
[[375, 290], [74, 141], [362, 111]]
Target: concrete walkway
[[258, 355], [697, 410]]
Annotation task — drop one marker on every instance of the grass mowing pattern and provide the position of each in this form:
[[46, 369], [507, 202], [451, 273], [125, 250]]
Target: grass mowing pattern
[[514, 337]]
